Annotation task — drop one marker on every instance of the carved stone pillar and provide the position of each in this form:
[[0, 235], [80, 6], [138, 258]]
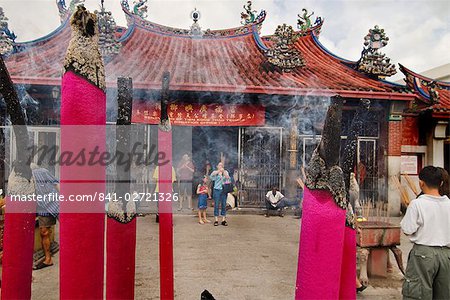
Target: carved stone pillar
[[293, 141], [291, 174]]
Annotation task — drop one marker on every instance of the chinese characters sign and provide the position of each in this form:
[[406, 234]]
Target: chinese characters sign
[[186, 114], [409, 164]]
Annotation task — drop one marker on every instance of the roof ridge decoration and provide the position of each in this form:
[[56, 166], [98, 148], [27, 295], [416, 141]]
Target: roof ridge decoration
[[283, 56], [372, 61], [7, 37], [432, 88], [426, 88], [313, 29], [251, 16], [134, 20], [64, 11], [406, 71], [140, 8], [304, 21], [305, 25], [196, 30], [107, 42]]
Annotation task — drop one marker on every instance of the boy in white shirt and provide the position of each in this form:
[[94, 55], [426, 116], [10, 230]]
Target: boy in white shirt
[[427, 223]]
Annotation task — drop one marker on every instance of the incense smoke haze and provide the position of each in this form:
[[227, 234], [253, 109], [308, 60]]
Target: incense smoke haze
[[411, 25]]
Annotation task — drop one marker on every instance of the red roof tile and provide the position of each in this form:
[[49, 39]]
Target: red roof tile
[[220, 61]]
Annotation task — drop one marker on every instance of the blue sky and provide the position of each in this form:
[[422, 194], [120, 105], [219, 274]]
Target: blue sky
[[419, 31]]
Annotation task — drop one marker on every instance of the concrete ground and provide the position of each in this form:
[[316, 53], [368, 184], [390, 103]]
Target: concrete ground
[[253, 258]]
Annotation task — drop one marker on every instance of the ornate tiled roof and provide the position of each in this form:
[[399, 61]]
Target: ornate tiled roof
[[434, 95], [230, 60]]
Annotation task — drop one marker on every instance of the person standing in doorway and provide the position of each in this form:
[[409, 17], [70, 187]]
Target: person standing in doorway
[[185, 172], [219, 177]]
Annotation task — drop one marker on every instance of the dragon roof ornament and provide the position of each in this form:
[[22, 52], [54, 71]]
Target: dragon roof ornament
[[7, 37], [372, 61], [62, 9], [251, 16], [305, 24], [140, 8], [282, 54]]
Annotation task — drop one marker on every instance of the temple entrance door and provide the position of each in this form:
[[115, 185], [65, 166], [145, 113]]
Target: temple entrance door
[[259, 163], [367, 169], [209, 144]]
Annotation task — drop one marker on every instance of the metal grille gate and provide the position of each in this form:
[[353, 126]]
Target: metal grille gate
[[260, 163]]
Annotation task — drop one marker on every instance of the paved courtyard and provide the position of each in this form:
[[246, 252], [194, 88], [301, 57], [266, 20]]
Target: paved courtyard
[[253, 258]]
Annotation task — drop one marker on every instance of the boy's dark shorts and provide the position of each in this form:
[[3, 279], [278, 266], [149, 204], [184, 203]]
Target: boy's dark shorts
[[46, 221]]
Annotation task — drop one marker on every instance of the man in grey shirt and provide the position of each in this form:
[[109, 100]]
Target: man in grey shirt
[[427, 223]]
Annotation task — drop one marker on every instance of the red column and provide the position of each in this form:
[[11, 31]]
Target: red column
[[165, 217]]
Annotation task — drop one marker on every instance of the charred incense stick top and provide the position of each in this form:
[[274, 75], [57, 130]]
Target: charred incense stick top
[[164, 123], [324, 172], [83, 56]]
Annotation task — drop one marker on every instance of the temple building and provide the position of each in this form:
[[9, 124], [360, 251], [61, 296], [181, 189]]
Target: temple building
[[257, 102]]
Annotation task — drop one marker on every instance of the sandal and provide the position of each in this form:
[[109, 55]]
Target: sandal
[[41, 265], [224, 223], [216, 223], [361, 288]]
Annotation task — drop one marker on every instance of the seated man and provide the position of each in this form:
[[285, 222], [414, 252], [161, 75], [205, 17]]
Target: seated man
[[275, 201]]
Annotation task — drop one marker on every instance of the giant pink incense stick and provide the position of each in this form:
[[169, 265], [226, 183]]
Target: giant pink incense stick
[[19, 219], [321, 247], [121, 223], [18, 244], [327, 250], [83, 116], [165, 206]]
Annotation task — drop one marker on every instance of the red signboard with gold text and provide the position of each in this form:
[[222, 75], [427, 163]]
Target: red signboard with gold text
[[201, 114]]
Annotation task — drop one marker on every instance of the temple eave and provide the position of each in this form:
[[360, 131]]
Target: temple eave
[[269, 90]]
